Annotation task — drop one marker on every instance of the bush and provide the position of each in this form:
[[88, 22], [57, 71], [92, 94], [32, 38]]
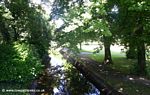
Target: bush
[[18, 62]]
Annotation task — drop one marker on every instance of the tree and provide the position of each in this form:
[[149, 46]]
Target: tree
[[134, 29], [89, 23], [4, 23], [26, 36]]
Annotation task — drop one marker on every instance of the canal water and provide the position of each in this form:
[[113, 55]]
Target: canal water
[[70, 81], [60, 79]]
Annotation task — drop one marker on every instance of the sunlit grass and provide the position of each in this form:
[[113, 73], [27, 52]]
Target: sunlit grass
[[120, 62], [86, 51]]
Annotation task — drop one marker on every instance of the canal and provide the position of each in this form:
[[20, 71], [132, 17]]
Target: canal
[[70, 81]]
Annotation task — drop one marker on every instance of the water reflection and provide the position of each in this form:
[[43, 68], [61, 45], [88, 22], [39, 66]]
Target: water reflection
[[64, 79], [71, 81], [77, 83]]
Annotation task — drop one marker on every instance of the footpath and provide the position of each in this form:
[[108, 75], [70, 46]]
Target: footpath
[[107, 80]]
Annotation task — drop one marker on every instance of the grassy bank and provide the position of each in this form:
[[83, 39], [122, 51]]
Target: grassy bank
[[121, 63]]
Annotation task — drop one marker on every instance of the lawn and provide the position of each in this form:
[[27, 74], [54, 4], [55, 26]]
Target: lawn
[[119, 59], [121, 63]]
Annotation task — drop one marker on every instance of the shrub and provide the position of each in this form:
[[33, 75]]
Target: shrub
[[18, 62]]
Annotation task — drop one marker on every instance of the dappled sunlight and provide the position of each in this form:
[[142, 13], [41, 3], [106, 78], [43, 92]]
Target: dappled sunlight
[[92, 45], [58, 23], [120, 90], [74, 47], [131, 78]]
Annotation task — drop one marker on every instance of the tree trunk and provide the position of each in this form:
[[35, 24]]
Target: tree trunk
[[46, 60], [107, 57], [5, 33], [16, 35], [80, 44], [141, 58], [131, 53], [141, 50]]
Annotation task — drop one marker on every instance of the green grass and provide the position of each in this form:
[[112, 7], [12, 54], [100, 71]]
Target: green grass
[[86, 50], [125, 66], [120, 62]]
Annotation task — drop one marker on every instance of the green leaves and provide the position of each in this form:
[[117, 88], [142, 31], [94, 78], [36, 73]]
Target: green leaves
[[139, 6], [84, 22], [17, 62]]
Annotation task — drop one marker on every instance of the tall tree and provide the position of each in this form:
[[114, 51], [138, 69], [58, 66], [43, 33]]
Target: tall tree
[[27, 24], [88, 23], [133, 20]]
